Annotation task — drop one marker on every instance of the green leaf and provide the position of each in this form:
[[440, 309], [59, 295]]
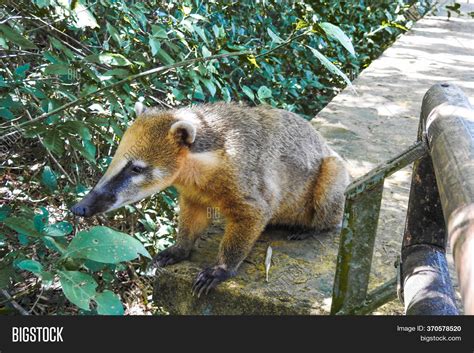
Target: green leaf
[[21, 70], [274, 37], [113, 33], [178, 94], [335, 32], [200, 33], [155, 45], [109, 59], [5, 210], [95, 266], [3, 83], [23, 239], [6, 114], [264, 92], [34, 92], [59, 229], [78, 287], [210, 86], [57, 69], [198, 92], [159, 32], [205, 52], [52, 141], [30, 265], [77, 127], [148, 223], [13, 36], [103, 244], [164, 56], [52, 244], [61, 47], [108, 303], [82, 150], [42, 3], [51, 57], [5, 274], [330, 66], [117, 72], [47, 278], [248, 91], [90, 150], [226, 94], [39, 221], [22, 225], [48, 178]]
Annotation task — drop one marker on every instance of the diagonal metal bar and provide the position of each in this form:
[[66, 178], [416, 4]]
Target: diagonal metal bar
[[376, 175]]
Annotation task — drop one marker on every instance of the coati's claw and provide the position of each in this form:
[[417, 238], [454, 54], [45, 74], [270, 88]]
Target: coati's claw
[[210, 278], [170, 256], [301, 235]]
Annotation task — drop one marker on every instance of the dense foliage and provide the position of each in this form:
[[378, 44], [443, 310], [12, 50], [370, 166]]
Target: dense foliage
[[90, 56]]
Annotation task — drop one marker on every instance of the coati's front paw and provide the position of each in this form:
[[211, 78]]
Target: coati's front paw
[[170, 256], [209, 278]]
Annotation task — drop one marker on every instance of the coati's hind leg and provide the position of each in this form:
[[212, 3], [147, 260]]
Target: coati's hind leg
[[328, 198], [193, 220], [240, 235]]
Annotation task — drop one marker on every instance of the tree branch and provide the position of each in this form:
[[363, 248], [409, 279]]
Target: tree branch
[[17, 306], [129, 79], [288, 41]]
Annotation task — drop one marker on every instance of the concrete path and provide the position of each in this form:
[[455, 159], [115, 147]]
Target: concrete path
[[367, 129], [382, 119]]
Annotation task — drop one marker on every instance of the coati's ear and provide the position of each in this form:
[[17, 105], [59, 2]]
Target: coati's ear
[[184, 131], [139, 108]]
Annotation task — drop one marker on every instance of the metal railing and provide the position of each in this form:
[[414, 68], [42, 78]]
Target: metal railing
[[441, 208]]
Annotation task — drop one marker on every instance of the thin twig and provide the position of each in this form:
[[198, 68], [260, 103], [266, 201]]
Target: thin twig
[[15, 55], [10, 18], [50, 154], [288, 41], [58, 164], [62, 33], [17, 306], [37, 300]]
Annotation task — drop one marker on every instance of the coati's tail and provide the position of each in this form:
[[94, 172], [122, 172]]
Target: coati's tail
[[331, 183]]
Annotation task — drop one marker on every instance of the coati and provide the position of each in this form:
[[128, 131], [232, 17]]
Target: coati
[[259, 166]]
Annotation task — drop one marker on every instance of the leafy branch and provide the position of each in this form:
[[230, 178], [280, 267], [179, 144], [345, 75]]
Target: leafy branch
[[159, 69], [129, 79]]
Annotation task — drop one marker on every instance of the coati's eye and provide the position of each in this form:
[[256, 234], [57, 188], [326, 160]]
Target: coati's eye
[[137, 170]]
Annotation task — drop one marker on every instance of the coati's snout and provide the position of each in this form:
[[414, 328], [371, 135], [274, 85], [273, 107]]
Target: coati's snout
[[94, 203], [130, 181]]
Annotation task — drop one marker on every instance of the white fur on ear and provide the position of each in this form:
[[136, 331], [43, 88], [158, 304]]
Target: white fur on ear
[[187, 129], [139, 106]]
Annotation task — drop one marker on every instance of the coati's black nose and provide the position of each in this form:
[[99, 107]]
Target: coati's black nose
[[94, 202], [80, 210]]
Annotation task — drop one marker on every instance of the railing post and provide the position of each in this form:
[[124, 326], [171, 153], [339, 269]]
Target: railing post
[[448, 121], [426, 287], [356, 249]]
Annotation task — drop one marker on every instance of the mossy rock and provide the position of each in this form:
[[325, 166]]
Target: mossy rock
[[300, 278]]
